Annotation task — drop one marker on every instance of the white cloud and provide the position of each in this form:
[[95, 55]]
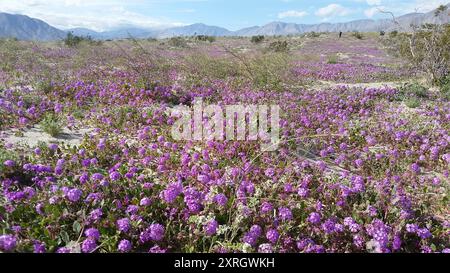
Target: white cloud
[[371, 12], [332, 10], [97, 15], [292, 13]]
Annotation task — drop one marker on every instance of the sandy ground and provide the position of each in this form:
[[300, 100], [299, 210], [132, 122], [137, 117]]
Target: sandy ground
[[31, 137], [320, 85]]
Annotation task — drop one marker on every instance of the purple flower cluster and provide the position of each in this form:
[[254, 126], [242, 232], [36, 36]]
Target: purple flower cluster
[[153, 233]]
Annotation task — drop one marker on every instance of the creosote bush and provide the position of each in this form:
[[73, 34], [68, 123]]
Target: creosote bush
[[257, 39], [72, 40], [279, 46], [358, 35], [179, 42], [427, 48], [412, 91], [205, 38]]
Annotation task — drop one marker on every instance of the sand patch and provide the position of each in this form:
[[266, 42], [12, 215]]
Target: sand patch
[[31, 137]]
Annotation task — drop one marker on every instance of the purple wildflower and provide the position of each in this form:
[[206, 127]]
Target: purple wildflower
[[88, 245], [124, 246], [74, 195], [7, 242], [272, 235], [211, 227], [123, 225]]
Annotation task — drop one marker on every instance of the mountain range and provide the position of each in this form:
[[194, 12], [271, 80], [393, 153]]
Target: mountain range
[[25, 28]]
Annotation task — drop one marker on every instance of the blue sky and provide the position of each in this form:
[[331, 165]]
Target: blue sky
[[233, 14]]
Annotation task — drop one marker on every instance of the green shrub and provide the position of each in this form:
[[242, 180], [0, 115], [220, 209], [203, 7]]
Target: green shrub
[[268, 71], [411, 91], [314, 34], [393, 34], [200, 67], [257, 39], [445, 88], [427, 48], [72, 40], [412, 102], [418, 90], [178, 42], [52, 125], [279, 46], [205, 38], [358, 35]]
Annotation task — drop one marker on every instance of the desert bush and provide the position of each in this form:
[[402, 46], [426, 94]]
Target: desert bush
[[393, 34], [200, 67], [333, 59], [314, 34], [427, 48], [205, 38], [178, 42], [411, 91], [279, 46], [445, 88], [269, 70], [72, 40], [257, 39], [358, 35], [417, 90], [412, 102], [52, 125]]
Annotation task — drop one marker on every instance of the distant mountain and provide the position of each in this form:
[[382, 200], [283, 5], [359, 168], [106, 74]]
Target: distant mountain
[[404, 24], [85, 32], [115, 34], [26, 28], [190, 30], [195, 29], [407, 20]]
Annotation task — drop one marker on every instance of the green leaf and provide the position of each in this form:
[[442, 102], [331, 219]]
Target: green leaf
[[433, 247], [65, 237], [76, 227]]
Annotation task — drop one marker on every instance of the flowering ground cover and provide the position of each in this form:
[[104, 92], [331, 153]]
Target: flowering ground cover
[[357, 170]]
